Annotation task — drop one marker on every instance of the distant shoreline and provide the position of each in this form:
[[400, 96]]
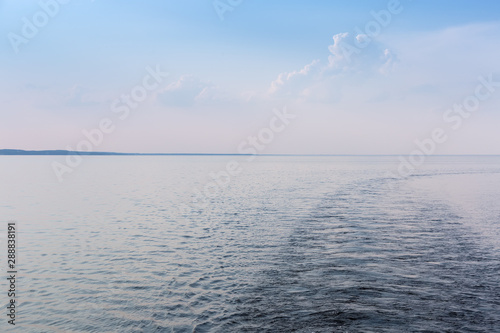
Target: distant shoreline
[[21, 152], [70, 152]]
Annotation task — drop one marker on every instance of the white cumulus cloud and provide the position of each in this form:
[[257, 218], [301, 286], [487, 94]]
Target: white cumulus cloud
[[349, 55]]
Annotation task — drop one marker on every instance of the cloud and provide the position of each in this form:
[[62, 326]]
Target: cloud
[[360, 53], [187, 91], [359, 57], [295, 82], [79, 96]]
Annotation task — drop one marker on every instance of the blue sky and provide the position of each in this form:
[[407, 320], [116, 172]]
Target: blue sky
[[226, 76]]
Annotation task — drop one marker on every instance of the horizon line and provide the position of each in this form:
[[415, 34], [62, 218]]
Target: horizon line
[[58, 152]]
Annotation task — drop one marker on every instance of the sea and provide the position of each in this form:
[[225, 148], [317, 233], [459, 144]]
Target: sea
[[280, 244]]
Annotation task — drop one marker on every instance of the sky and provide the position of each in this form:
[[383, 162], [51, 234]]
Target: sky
[[203, 76]]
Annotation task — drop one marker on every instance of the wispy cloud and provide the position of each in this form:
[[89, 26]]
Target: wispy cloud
[[187, 91], [79, 96]]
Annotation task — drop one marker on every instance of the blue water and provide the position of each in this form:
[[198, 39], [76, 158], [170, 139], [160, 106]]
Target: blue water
[[292, 244]]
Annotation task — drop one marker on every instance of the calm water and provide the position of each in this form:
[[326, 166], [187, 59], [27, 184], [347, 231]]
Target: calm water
[[293, 244]]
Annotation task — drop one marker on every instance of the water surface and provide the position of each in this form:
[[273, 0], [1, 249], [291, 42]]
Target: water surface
[[293, 244]]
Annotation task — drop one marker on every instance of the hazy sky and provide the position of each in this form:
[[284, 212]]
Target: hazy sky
[[357, 85]]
